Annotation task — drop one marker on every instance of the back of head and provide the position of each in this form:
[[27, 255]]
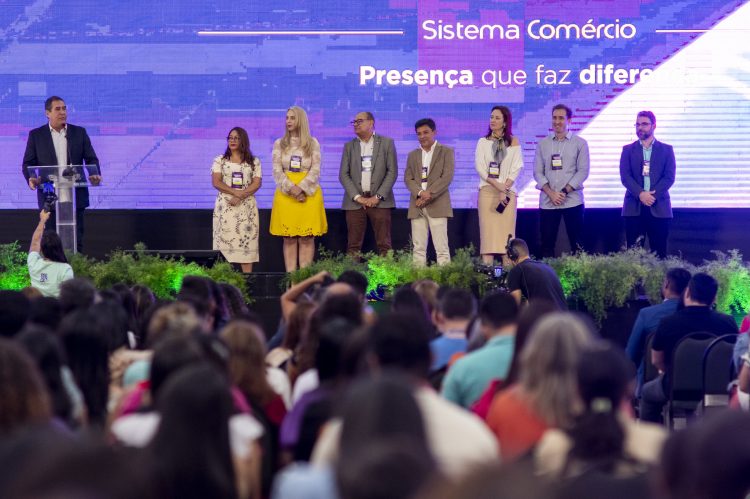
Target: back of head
[[172, 319], [191, 447], [23, 395], [677, 279], [527, 319], [498, 310], [87, 349], [457, 303], [14, 311], [112, 320], [703, 288], [407, 301], [171, 355], [46, 311], [77, 293], [604, 375], [427, 289], [329, 355], [247, 354], [549, 364], [47, 352], [234, 299], [357, 280], [52, 248], [519, 249], [399, 342]]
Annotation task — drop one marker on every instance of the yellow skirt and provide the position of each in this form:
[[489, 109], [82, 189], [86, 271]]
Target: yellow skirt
[[290, 218]]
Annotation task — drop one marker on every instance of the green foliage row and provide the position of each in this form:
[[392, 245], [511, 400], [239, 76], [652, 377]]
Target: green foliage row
[[396, 268], [600, 281], [162, 275]]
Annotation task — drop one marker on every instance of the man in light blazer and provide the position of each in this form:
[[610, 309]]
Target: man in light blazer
[[647, 170], [60, 143], [368, 171], [429, 172]]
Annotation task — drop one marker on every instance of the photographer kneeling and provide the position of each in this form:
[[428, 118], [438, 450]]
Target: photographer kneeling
[[48, 266], [532, 280]]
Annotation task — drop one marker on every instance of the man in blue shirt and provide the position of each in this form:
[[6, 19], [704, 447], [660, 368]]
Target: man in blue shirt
[[648, 319], [455, 310], [468, 378]]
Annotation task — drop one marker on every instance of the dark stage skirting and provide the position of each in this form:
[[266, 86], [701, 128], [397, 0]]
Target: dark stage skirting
[[694, 234]]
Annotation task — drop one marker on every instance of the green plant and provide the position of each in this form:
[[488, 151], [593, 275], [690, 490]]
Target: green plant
[[733, 277], [14, 272]]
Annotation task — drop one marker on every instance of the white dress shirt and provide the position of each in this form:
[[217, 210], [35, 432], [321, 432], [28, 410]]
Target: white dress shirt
[[426, 161], [366, 150], [60, 141]]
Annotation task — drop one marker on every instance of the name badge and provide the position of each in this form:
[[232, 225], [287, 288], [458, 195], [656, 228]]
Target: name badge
[[493, 171], [366, 163], [295, 164], [646, 168], [237, 180], [557, 162], [424, 174]]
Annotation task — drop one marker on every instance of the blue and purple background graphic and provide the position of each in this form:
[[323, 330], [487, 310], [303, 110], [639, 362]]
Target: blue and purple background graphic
[[158, 87]]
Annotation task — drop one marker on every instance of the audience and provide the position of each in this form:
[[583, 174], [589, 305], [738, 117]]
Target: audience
[[112, 393]]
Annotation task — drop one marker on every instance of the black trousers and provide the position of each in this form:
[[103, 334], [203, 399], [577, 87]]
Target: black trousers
[[645, 224], [549, 224], [52, 225]]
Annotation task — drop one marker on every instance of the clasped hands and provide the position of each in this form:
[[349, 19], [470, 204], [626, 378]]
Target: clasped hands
[[368, 202], [647, 197], [238, 195], [424, 199]]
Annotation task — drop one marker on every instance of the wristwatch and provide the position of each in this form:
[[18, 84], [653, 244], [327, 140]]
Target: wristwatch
[[379, 197]]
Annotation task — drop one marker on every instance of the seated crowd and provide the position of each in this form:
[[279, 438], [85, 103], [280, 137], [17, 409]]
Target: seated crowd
[[114, 393]]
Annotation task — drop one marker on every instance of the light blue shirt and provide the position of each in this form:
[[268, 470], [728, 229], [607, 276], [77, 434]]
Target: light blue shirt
[[647, 157], [46, 275], [445, 347], [468, 378], [574, 152]]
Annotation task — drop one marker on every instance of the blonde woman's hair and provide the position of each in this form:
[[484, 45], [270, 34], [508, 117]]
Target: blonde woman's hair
[[548, 366], [303, 125]]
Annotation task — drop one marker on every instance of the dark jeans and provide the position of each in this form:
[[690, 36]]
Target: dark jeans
[[356, 224], [645, 224], [549, 224], [653, 399], [52, 225]]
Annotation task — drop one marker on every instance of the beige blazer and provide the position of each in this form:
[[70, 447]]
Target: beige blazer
[[438, 181]]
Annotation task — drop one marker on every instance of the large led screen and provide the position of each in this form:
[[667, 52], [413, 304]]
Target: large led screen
[[158, 84]]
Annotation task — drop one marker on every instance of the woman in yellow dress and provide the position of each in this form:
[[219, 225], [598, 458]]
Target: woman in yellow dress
[[297, 214]]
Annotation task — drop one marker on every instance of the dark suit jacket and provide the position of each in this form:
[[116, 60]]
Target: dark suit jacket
[[438, 180], [40, 151], [662, 173], [384, 172]]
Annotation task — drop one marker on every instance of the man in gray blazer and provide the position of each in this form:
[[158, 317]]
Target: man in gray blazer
[[647, 170], [368, 171], [429, 172]]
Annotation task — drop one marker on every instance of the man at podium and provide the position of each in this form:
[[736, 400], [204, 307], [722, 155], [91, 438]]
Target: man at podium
[[60, 143]]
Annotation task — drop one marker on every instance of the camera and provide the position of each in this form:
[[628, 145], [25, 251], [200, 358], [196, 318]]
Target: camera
[[49, 197], [494, 273]]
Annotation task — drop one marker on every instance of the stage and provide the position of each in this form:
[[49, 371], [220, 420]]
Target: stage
[[694, 232]]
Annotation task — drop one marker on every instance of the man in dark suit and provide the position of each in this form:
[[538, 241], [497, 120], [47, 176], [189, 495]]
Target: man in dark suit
[[429, 172], [368, 171], [60, 143], [647, 170]]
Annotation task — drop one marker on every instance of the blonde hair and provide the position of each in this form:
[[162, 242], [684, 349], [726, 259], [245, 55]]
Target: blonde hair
[[303, 125], [548, 366], [247, 360]]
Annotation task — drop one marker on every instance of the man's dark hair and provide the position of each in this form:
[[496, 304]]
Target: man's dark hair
[[520, 246], [77, 293], [647, 114], [498, 310], [369, 115], [52, 248], [457, 304], [357, 280], [703, 288], [568, 111], [425, 121], [50, 100], [400, 342], [677, 279]]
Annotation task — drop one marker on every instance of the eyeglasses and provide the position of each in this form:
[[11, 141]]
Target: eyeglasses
[[233, 138], [642, 125], [358, 122]]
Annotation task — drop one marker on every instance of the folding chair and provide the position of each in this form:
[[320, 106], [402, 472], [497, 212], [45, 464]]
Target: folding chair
[[685, 387], [718, 372]]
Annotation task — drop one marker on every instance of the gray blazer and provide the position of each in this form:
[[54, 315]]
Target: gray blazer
[[384, 172]]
